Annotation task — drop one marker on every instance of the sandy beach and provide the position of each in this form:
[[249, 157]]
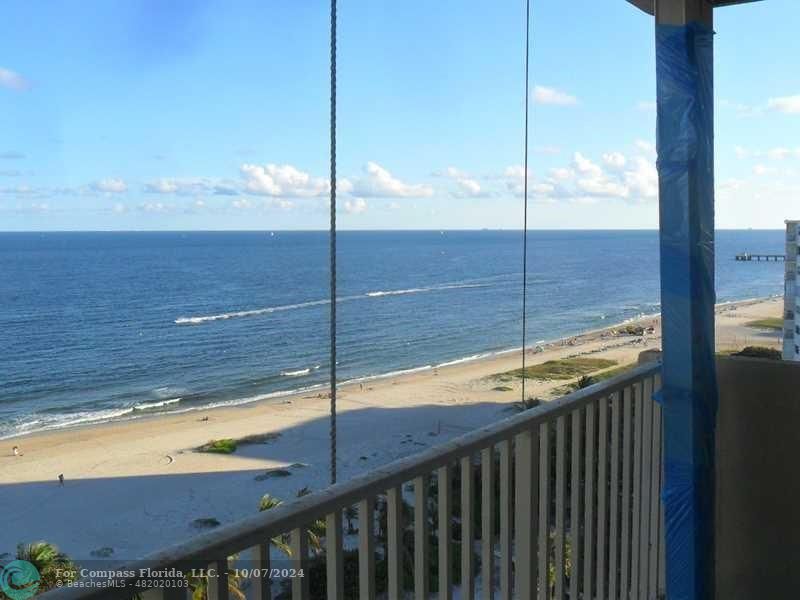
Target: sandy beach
[[134, 486]]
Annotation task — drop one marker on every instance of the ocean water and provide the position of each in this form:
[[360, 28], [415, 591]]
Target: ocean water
[[95, 326]]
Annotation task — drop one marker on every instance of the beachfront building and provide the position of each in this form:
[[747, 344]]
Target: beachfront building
[[791, 300]]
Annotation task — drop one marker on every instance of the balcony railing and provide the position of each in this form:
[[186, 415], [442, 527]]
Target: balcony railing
[[558, 501]]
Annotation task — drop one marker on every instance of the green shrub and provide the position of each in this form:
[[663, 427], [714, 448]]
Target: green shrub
[[760, 352]]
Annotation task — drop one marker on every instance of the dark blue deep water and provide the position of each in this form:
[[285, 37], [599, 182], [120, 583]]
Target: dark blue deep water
[[102, 325]]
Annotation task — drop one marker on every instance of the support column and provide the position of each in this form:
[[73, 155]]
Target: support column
[[684, 55]]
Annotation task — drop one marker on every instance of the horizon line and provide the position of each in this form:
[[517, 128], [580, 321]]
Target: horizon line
[[388, 230]]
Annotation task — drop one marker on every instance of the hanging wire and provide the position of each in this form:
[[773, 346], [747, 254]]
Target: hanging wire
[[525, 196], [333, 242]]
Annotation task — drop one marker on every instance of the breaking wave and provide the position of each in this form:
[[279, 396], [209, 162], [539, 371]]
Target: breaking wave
[[273, 309], [156, 404]]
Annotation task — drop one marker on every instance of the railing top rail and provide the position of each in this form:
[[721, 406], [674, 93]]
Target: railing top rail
[[253, 530]]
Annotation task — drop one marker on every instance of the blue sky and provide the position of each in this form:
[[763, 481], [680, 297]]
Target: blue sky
[[211, 114]]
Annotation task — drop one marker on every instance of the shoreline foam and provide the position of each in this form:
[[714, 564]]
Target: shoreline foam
[[149, 409]]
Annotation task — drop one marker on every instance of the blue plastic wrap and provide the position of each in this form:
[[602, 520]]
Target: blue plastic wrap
[[689, 395]]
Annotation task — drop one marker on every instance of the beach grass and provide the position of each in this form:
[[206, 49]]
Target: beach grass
[[587, 380], [224, 446], [565, 368], [230, 445], [767, 323]]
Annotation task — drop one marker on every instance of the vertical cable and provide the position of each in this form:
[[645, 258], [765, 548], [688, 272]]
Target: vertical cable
[[525, 195], [333, 241]]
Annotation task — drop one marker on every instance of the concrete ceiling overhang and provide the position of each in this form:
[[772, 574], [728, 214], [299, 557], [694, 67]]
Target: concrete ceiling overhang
[[648, 5]]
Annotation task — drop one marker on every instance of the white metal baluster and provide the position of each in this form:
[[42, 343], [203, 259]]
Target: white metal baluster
[[575, 508], [588, 506], [334, 562], [561, 484], [218, 580], [602, 494], [662, 558], [627, 441], [445, 534], [637, 489], [647, 446], [655, 502], [506, 516], [613, 522], [366, 549], [524, 511], [394, 499], [467, 530], [487, 521], [299, 548], [421, 539], [543, 551], [262, 589]]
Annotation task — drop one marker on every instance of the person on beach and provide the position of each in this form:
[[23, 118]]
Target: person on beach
[[15, 449], [61, 479]]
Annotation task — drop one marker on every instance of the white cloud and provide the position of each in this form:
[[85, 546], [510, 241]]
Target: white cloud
[[356, 206], [280, 203], [594, 181], [742, 110], [762, 170], [466, 186], [562, 173], [782, 153], [13, 81], [514, 171], [110, 186], [642, 179], [615, 160], [586, 182], [154, 207], [602, 186], [646, 147], [774, 154], [380, 183], [548, 95], [647, 106], [162, 186], [190, 187], [542, 189], [285, 181], [586, 166], [789, 105]]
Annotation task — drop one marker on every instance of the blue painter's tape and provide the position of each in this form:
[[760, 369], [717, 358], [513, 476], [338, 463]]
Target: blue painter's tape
[[689, 393]]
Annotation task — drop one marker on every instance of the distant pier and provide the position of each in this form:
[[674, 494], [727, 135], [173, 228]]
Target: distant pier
[[748, 257]]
